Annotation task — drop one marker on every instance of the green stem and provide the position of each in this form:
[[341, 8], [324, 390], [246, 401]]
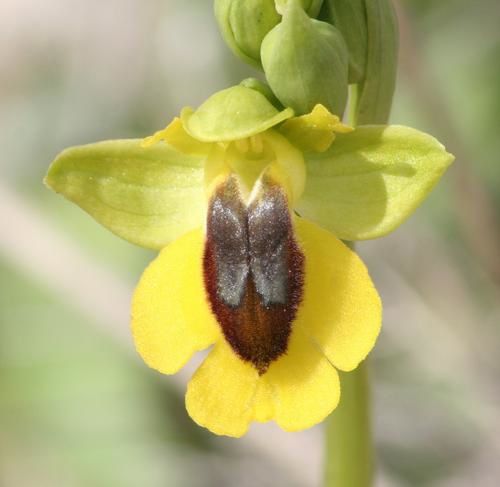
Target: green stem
[[349, 457], [349, 453]]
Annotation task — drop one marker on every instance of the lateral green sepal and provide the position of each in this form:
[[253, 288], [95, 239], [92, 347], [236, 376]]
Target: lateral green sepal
[[148, 196], [232, 114], [264, 89], [371, 180]]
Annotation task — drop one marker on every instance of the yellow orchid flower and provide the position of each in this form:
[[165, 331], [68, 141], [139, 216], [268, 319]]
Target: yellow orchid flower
[[248, 203]]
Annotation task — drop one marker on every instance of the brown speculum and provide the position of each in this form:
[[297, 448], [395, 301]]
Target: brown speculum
[[253, 270]]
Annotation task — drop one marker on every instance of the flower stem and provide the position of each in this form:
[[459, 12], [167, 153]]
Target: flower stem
[[349, 454]]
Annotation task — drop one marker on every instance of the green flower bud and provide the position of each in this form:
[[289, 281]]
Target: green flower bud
[[306, 62], [245, 23], [349, 16]]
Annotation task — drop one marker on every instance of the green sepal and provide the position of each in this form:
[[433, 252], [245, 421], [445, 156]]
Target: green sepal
[[371, 180], [377, 89], [232, 114], [148, 196], [349, 16], [264, 89], [306, 62], [244, 24]]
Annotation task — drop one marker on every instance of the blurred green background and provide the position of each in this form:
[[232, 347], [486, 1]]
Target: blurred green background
[[78, 408]]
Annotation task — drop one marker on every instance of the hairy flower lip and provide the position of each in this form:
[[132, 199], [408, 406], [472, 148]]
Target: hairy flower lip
[[253, 270], [336, 325]]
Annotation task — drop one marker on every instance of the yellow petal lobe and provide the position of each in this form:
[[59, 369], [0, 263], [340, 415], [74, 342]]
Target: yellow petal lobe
[[298, 391], [171, 318], [337, 324], [221, 394], [341, 310], [304, 385]]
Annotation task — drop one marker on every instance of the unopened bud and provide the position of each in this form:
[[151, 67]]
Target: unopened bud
[[245, 23], [306, 62]]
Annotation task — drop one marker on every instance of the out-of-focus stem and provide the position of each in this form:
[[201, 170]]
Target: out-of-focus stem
[[349, 454]]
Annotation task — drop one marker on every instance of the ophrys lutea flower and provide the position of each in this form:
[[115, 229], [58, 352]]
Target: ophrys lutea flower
[[248, 204]]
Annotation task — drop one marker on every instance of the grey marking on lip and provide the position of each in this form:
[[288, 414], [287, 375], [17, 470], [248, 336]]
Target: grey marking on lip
[[253, 271], [227, 229], [251, 242], [269, 232]]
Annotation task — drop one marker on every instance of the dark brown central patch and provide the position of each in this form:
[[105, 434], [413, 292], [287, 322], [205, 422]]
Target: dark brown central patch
[[253, 271]]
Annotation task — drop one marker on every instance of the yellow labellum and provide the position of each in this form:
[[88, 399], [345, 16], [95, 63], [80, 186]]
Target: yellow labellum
[[337, 323]]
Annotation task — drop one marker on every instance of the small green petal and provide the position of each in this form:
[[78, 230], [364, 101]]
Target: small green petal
[[148, 196], [175, 136], [314, 131], [232, 114], [371, 180]]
